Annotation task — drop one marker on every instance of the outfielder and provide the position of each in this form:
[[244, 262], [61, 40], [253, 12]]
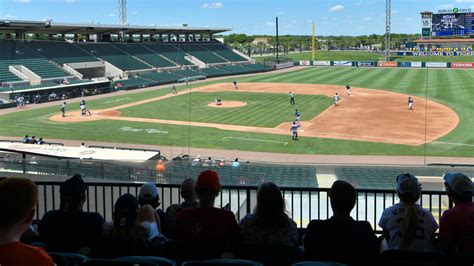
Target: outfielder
[[411, 102], [297, 114], [292, 98], [337, 98], [173, 90], [348, 90]]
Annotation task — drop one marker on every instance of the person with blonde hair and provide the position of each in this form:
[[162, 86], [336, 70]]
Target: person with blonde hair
[[406, 225]]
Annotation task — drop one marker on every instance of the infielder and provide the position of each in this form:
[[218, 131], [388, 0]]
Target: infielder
[[84, 109], [297, 114], [292, 98], [294, 131], [348, 90], [337, 98], [63, 109], [236, 87], [411, 102], [173, 90]]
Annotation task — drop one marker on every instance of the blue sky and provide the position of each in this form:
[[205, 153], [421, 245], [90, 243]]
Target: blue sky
[[332, 17]]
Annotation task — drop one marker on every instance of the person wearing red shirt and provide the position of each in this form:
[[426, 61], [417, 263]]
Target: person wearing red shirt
[[206, 223], [456, 228], [18, 198]]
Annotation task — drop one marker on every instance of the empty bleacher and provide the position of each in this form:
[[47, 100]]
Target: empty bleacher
[[201, 53], [188, 73], [223, 51], [214, 72], [171, 52], [146, 55], [115, 56], [62, 52], [162, 77]]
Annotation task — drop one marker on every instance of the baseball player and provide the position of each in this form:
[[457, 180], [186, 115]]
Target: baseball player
[[348, 90], [173, 90], [294, 131], [411, 102], [337, 98], [292, 98], [297, 114], [218, 101], [63, 109], [84, 109], [236, 87]]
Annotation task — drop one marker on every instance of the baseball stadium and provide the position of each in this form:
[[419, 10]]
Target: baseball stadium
[[305, 135]]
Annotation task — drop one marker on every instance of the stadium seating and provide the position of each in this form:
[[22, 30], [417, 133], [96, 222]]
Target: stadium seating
[[66, 259], [162, 77], [146, 55], [133, 82], [214, 72], [5, 74], [237, 69], [201, 53], [188, 73], [223, 51], [62, 52], [115, 56], [222, 262], [171, 52]]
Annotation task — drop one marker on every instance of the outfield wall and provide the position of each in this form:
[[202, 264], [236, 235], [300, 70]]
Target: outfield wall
[[456, 65]]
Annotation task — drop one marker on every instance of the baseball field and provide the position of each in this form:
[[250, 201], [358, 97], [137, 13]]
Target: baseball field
[[257, 116]]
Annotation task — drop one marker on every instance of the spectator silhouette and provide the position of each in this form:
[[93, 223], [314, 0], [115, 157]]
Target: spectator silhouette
[[340, 238], [456, 228], [269, 224], [406, 225], [206, 223], [148, 195], [18, 199], [70, 229], [189, 201]]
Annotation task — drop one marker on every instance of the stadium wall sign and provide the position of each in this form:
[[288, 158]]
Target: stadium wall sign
[[321, 63], [462, 65], [437, 64], [434, 53], [416, 64], [365, 64], [387, 64], [305, 63], [405, 64], [343, 63]]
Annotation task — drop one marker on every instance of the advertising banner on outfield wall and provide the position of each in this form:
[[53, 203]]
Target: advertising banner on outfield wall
[[437, 64], [305, 63], [405, 64], [416, 64], [365, 64], [387, 64], [462, 65], [343, 63], [321, 63]]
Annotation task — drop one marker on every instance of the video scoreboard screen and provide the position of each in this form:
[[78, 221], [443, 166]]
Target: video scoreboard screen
[[455, 24]]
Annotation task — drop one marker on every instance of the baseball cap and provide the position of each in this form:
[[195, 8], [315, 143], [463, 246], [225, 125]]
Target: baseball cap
[[73, 186], [125, 210], [408, 183], [208, 179], [148, 191], [459, 184]]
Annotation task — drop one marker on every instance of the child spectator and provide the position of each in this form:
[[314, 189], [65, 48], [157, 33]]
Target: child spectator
[[18, 198], [456, 228], [70, 229], [340, 237], [269, 224], [207, 223], [406, 225]]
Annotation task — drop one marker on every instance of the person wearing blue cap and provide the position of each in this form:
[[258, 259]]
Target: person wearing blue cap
[[456, 228], [406, 225]]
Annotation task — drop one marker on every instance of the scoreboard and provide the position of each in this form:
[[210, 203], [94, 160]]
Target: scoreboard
[[452, 24]]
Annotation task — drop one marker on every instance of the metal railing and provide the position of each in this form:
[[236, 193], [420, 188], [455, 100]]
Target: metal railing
[[303, 204]]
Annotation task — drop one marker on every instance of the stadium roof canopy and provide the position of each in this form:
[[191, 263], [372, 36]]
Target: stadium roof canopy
[[51, 27]]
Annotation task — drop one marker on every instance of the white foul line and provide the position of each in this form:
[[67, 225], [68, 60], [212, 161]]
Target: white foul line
[[261, 140], [451, 143]]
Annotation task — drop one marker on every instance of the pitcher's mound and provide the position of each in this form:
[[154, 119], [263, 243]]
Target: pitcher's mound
[[227, 104]]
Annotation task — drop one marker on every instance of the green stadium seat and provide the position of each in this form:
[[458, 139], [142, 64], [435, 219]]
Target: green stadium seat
[[114, 55]]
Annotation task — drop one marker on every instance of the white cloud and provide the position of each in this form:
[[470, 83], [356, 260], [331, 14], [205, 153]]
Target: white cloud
[[464, 1], [408, 19], [214, 5], [112, 14], [270, 24], [447, 6], [368, 18], [134, 12], [65, 1], [336, 8], [394, 11], [8, 16], [280, 12], [22, 1]]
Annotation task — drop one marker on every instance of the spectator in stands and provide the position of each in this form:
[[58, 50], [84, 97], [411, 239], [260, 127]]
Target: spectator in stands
[[340, 237], [269, 224], [18, 199], [26, 139], [456, 228], [189, 201], [70, 229], [134, 229], [33, 140], [207, 223], [406, 225], [235, 163], [149, 195], [41, 141]]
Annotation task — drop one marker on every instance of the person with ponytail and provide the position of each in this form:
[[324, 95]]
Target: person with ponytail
[[406, 225], [70, 229]]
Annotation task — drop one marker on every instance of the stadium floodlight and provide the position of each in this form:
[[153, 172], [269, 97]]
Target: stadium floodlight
[[122, 12], [388, 27]]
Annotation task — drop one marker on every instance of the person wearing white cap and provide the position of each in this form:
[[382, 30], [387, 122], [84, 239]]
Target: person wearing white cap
[[406, 225], [148, 195], [456, 228]]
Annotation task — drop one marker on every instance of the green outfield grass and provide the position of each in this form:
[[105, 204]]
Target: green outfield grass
[[451, 87], [262, 109], [367, 56]]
